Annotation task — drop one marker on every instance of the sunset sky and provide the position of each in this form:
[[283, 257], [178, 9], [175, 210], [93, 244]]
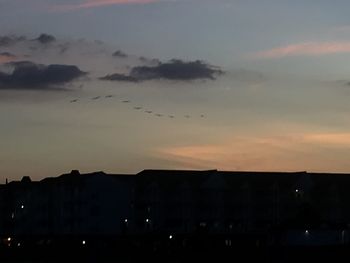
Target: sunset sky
[[126, 85]]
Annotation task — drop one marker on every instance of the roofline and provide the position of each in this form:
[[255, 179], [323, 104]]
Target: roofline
[[75, 173]]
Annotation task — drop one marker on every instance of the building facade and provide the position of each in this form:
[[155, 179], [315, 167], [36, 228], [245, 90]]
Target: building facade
[[283, 207]]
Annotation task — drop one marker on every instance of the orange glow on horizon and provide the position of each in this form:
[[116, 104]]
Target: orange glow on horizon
[[277, 153], [6, 59]]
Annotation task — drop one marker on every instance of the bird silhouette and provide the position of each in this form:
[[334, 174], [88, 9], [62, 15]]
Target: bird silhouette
[[171, 116], [109, 96], [159, 115], [126, 101], [137, 108], [148, 111], [75, 100], [96, 98]]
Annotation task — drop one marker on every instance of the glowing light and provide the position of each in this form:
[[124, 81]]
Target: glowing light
[[170, 236], [83, 242], [306, 232], [147, 220], [125, 220], [18, 244], [297, 190], [9, 239], [22, 206]]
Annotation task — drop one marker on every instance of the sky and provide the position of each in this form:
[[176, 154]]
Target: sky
[[126, 85]]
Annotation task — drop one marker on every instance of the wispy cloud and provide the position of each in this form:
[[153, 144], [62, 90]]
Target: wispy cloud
[[305, 49], [100, 3], [329, 139], [290, 152]]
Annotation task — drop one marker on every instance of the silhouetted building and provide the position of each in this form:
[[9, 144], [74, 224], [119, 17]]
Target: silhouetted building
[[292, 208]]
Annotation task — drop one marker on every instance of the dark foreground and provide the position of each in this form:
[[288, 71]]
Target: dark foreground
[[176, 249]]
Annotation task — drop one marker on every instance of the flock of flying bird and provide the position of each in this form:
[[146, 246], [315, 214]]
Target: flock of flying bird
[[139, 108]]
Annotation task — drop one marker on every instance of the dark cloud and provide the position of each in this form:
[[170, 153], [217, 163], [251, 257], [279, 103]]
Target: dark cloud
[[119, 77], [45, 39], [173, 70], [29, 75], [10, 40], [152, 61], [120, 54], [176, 70]]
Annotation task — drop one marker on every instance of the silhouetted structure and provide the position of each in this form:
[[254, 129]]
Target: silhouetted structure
[[256, 208]]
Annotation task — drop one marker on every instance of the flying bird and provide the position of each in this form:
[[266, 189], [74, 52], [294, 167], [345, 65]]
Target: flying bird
[[159, 115], [137, 108], [126, 101], [109, 96], [75, 100], [187, 116], [148, 111], [171, 116], [96, 98]]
